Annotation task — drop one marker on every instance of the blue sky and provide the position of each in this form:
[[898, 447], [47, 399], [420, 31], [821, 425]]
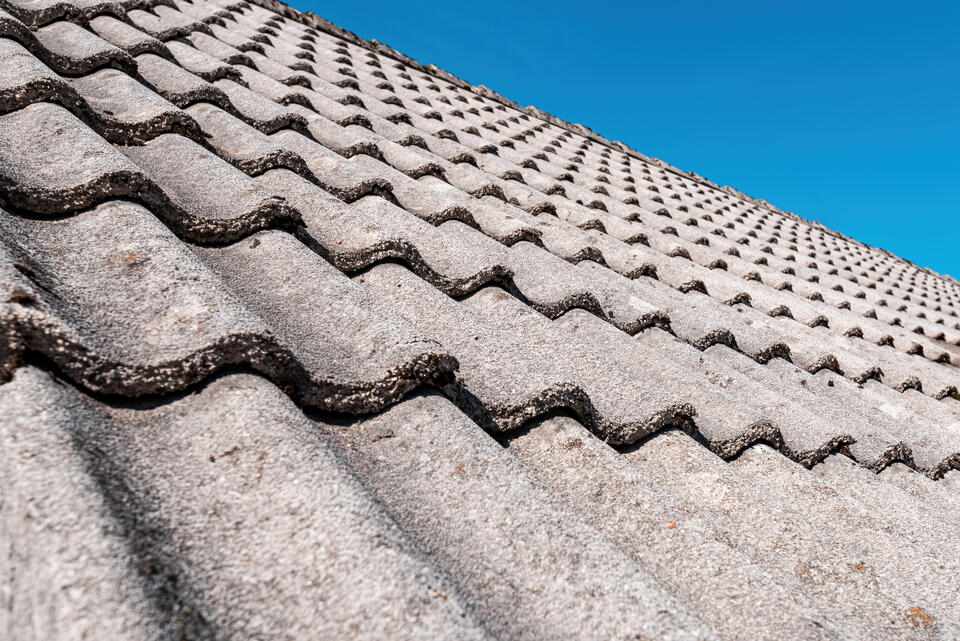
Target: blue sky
[[845, 113]]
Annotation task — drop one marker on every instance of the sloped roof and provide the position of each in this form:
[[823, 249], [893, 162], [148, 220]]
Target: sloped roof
[[300, 338]]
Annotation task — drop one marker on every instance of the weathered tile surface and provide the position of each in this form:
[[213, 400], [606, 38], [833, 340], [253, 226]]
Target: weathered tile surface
[[300, 338]]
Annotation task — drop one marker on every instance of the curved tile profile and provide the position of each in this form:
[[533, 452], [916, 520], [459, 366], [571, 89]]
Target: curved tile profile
[[672, 410], [371, 230], [112, 103], [259, 112], [127, 37], [237, 207], [25, 80], [878, 439], [200, 64], [633, 509], [52, 163], [553, 287], [37, 13], [178, 85], [435, 209], [166, 542], [209, 45], [127, 113], [536, 372], [336, 174], [435, 463], [170, 24], [781, 495], [358, 355], [71, 50], [14, 29], [243, 146], [90, 309], [727, 423]]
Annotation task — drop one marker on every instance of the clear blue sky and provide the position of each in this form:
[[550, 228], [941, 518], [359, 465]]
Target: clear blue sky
[[842, 112]]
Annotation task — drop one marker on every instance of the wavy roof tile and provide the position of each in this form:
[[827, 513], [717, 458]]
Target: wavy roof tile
[[302, 338]]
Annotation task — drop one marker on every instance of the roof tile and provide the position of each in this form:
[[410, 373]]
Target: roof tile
[[237, 269]]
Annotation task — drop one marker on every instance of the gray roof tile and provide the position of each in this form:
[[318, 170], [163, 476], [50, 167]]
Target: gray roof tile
[[127, 113], [546, 362], [11, 27], [785, 532], [39, 12], [662, 533], [167, 535], [236, 269], [178, 85], [207, 13], [72, 50], [371, 230], [239, 205], [25, 80], [376, 363], [201, 64], [88, 306], [258, 111], [162, 26], [213, 47], [52, 163], [127, 37], [515, 534], [243, 146]]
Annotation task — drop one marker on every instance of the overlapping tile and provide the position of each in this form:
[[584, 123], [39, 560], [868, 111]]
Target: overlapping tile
[[193, 187], [158, 513]]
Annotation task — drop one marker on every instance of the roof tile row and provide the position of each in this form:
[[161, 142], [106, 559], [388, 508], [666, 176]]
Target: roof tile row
[[297, 334]]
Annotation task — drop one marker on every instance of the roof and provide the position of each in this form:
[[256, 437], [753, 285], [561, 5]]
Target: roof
[[300, 338]]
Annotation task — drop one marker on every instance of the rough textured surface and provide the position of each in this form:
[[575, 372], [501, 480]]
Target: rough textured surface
[[155, 524], [300, 338]]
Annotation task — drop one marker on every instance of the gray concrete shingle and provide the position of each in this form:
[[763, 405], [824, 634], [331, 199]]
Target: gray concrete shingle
[[153, 526], [300, 337]]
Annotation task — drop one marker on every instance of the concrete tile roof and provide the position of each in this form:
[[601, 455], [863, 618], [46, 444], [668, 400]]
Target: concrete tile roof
[[302, 338]]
